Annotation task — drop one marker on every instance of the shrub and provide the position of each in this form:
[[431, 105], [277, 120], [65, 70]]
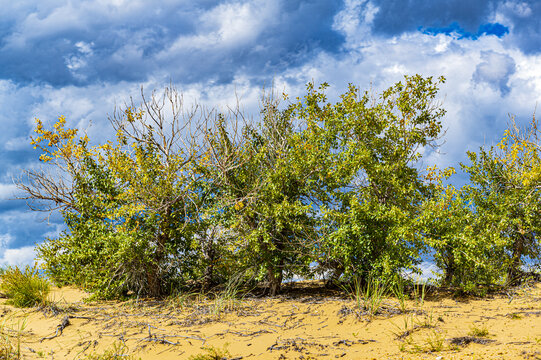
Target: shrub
[[24, 288]]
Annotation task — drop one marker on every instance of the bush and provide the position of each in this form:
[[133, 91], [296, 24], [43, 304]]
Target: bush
[[24, 288]]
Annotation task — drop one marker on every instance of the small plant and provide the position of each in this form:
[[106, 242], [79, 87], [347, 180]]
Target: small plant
[[419, 292], [116, 352], [428, 321], [399, 293], [9, 350], [24, 288], [478, 331], [183, 300], [211, 353], [515, 316], [370, 297], [227, 299], [433, 342]]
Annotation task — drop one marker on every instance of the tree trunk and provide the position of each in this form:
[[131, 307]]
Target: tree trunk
[[209, 255], [516, 260], [449, 268], [274, 279]]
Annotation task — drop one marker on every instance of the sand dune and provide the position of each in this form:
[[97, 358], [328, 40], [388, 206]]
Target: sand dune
[[307, 322]]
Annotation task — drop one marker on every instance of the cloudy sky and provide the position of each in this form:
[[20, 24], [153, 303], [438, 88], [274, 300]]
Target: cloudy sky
[[81, 58]]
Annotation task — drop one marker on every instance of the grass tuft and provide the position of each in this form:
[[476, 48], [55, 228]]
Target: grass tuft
[[24, 288], [478, 331], [116, 352], [227, 300], [10, 349], [369, 297], [211, 353]]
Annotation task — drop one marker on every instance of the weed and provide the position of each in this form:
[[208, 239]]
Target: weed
[[411, 325], [116, 352], [478, 331], [183, 300], [9, 350], [24, 288], [226, 300], [433, 342], [370, 297], [419, 292], [515, 316], [399, 293], [408, 328], [428, 321], [211, 353]]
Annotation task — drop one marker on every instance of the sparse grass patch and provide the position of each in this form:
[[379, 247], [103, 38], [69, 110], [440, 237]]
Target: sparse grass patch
[[24, 288], [183, 300], [10, 340], [419, 292], [227, 299], [369, 297], [212, 353], [116, 352], [433, 342], [400, 294], [478, 331]]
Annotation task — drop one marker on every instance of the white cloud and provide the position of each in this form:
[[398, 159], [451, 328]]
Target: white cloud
[[21, 256], [5, 239], [495, 70], [7, 191]]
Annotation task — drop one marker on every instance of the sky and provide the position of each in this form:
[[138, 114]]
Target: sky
[[81, 59]]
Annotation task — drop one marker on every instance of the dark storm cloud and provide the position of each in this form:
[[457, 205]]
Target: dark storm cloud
[[467, 18], [526, 21], [397, 16], [83, 42]]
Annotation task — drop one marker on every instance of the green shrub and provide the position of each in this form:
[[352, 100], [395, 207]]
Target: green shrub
[[24, 288]]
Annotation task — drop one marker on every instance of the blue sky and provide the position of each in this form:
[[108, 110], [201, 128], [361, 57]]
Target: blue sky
[[81, 58]]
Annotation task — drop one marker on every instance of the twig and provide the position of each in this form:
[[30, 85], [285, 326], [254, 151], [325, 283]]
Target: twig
[[59, 329]]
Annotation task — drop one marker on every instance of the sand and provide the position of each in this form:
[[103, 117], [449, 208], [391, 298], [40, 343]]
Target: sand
[[307, 322]]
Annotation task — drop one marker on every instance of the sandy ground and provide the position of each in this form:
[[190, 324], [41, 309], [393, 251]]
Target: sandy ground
[[306, 323]]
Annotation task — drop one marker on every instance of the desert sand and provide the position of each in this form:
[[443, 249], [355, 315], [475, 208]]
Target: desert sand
[[306, 322]]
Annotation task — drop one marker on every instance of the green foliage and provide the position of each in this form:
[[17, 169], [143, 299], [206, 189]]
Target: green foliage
[[373, 187], [482, 233], [266, 182], [132, 213], [462, 241], [25, 288], [187, 199]]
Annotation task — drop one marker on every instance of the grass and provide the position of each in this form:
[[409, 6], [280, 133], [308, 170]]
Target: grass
[[116, 352], [478, 331], [10, 349], [399, 292], [369, 297], [25, 288], [227, 299], [419, 292], [183, 300], [432, 343], [211, 353]]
